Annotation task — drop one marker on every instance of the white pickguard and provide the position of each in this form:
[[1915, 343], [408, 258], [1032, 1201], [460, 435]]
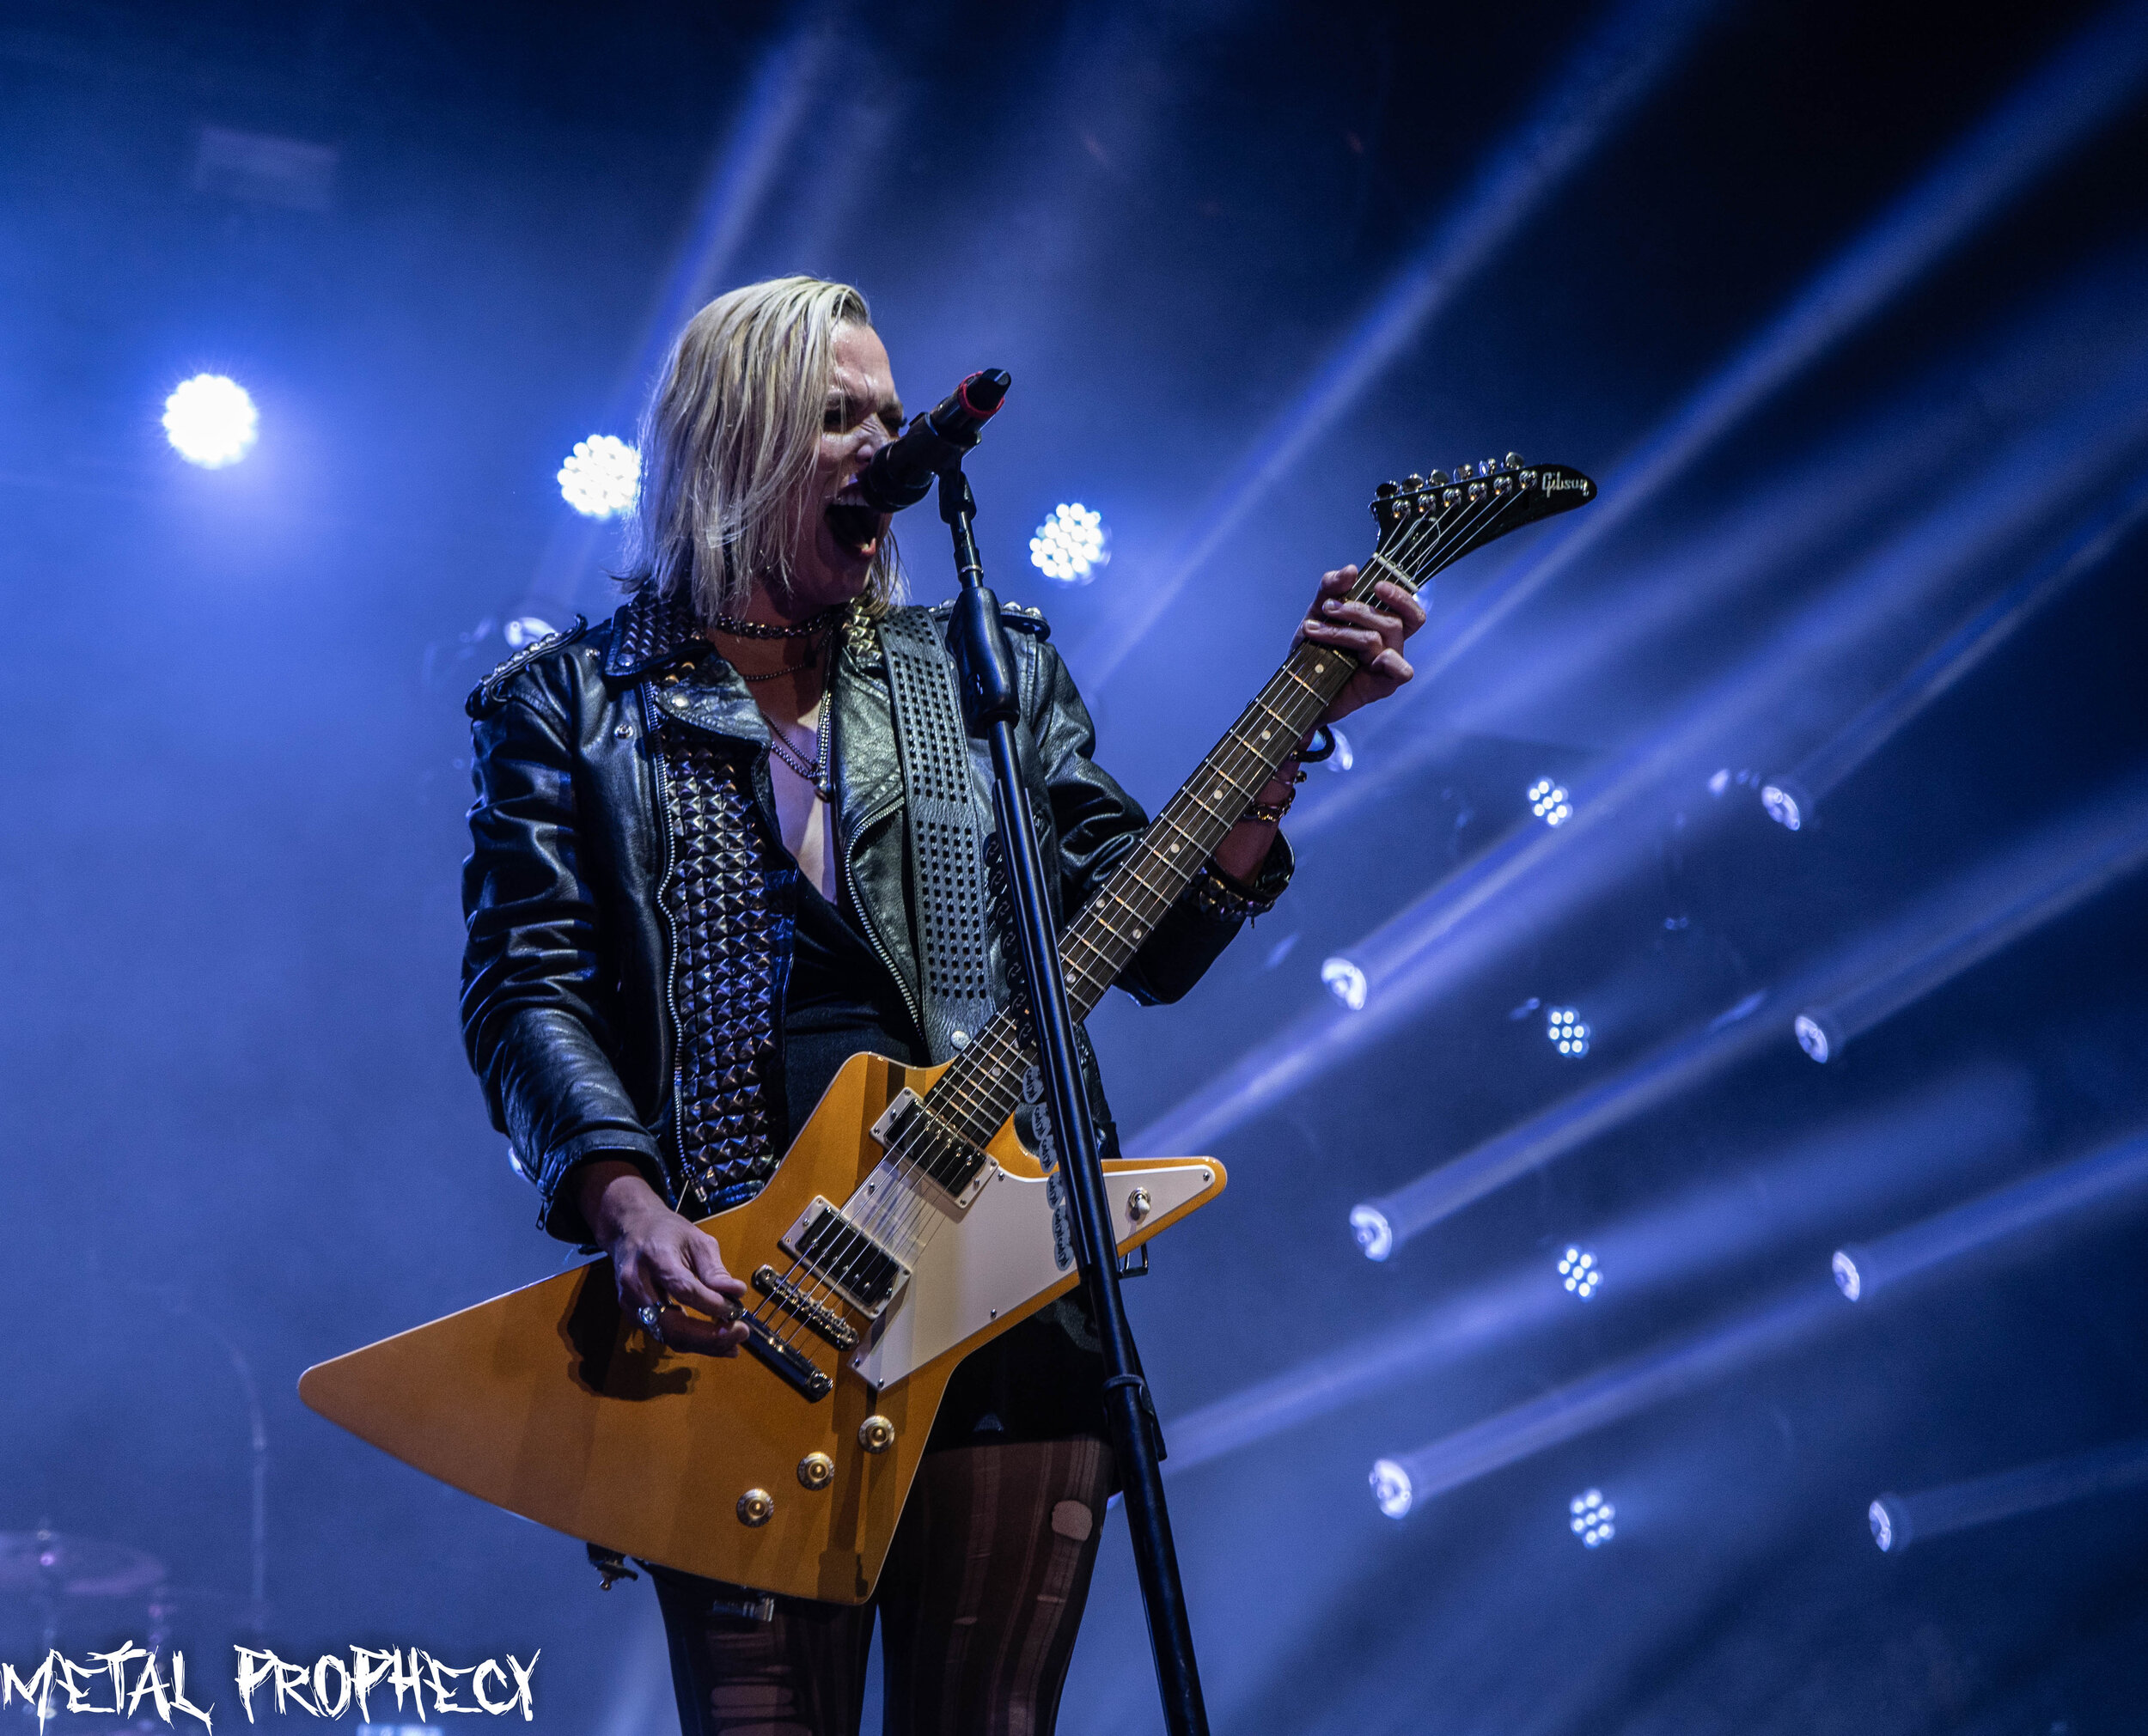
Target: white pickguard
[[998, 1256]]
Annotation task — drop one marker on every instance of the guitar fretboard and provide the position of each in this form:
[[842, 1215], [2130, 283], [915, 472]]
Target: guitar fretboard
[[979, 1090]]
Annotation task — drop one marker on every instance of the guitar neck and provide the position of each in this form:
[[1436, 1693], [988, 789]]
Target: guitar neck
[[979, 1090]]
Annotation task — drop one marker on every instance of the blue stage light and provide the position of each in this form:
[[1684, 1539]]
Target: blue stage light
[[1390, 1488], [1814, 1037], [1579, 1272], [1374, 1234], [1568, 1034], [1345, 982], [1589, 1516], [526, 629], [1848, 1279], [1882, 1524], [210, 421], [601, 477], [1071, 544], [1548, 801], [1781, 799]]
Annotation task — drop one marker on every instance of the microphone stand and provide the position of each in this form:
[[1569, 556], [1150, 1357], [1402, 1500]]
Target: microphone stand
[[992, 708]]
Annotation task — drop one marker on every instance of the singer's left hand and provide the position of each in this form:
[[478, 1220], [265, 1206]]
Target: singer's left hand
[[1373, 632]]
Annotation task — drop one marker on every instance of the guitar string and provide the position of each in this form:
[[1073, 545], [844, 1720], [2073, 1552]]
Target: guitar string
[[1424, 539], [916, 1204]]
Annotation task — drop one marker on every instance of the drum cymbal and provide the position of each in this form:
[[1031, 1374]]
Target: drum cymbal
[[73, 1567]]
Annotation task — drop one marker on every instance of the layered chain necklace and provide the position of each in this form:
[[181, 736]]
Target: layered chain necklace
[[821, 628], [817, 771]]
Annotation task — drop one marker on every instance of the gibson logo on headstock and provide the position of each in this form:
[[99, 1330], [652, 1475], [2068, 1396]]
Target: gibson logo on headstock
[[1552, 484]]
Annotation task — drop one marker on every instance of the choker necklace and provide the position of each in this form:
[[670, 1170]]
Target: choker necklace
[[754, 629]]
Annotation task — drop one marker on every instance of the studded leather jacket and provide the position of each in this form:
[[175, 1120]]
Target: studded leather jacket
[[576, 980]]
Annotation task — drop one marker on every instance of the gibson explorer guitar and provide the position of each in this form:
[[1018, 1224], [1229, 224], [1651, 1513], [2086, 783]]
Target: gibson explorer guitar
[[906, 1226]]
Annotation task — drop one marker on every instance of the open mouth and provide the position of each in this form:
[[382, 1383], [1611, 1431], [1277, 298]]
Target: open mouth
[[855, 526]]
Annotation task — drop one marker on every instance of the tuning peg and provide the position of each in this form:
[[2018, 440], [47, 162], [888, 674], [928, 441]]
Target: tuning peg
[[1487, 466], [1412, 484], [1439, 478], [1387, 490], [1464, 472], [1514, 461]]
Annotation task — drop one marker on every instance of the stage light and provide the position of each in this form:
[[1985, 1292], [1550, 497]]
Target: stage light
[[1848, 1279], [1781, 798], [1390, 1488], [1899, 1521], [1814, 1036], [2108, 1181], [1071, 544], [601, 477], [1563, 1025], [1882, 1520], [1589, 1517], [526, 629], [1860, 1166], [1578, 1270], [210, 421], [1369, 1224], [1345, 982], [1548, 802]]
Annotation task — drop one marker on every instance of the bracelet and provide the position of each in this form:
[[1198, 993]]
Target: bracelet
[[1218, 895]]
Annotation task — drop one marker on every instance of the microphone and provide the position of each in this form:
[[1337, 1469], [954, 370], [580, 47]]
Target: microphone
[[902, 471]]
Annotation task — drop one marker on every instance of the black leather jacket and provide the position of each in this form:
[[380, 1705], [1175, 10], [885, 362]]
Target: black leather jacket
[[567, 968]]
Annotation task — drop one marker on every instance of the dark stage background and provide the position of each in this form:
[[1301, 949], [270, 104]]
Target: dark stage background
[[1846, 308]]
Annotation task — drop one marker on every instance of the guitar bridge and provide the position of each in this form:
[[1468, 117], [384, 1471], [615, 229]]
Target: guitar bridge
[[824, 1323], [844, 1257], [793, 1367]]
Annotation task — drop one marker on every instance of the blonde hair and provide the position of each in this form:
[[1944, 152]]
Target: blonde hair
[[729, 443]]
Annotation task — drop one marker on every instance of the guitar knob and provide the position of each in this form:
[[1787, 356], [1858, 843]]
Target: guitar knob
[[756, 1507], [816, 1471], [875, 1433]]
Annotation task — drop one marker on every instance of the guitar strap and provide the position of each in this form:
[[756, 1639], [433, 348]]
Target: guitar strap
[[947, 822]]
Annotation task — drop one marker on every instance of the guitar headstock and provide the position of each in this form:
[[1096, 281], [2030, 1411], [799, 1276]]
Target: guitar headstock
[[1428, 522]]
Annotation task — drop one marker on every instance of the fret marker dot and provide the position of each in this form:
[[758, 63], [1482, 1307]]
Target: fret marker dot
[[1174, 849], [1266, 734], [1317, 667]]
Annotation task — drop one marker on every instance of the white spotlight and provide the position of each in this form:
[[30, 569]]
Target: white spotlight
[[526, 629], [1549, 802], [1345, 982], [1783, 806], [1568, 1034], [1817, 1035], [1071, 544], [1589, 1516], [1374, 1234], [1578, 1270], [1881, 1517], [1848, 1279], [601, 477], [210, 421], [1390, 1488]]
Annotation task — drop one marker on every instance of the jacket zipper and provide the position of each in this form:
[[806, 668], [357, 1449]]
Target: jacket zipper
[[872, 932], [671, 930]]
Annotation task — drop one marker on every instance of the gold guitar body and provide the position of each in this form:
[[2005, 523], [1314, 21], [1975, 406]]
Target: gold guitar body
[[549, 1402]]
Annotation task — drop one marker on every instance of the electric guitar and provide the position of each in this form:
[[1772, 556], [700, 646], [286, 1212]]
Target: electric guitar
[[906, 1226]]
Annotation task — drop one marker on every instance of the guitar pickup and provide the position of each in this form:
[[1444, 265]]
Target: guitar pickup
[[930, 1150], [823, 1322], [844, 1257]]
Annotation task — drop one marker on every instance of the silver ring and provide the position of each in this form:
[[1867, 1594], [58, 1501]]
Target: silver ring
[[651, 1318]]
